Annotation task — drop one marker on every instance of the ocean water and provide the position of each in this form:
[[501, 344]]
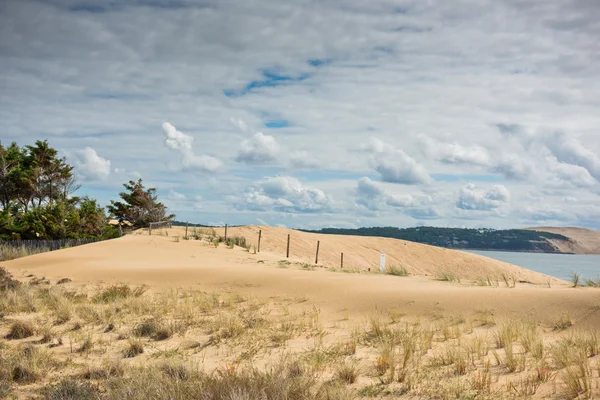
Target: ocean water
[[558, 265]]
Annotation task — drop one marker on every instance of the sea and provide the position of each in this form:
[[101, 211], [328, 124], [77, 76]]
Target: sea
[[558, 265]]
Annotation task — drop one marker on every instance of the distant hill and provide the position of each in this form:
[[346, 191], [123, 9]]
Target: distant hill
[[581, 241], [475, 239]]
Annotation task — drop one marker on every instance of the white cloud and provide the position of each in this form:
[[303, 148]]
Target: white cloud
[[330, 75], [260, 149], [394, 165], [173, 195], [177, 140], [373, 197], [455, 153], [474, 199], [285, 194], [91, 166], [240, 124], [568, 150], [569, 173]]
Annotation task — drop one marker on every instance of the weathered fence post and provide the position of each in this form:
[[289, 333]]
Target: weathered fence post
[[259, 235], [225, 232], [287, 253], [342, 261], [317, 256], [186, 229]]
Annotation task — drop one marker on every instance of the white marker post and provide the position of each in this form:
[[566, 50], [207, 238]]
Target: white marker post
[[382, 263]]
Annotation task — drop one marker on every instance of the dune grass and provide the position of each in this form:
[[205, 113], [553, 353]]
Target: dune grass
[[186, 344], [13, 252]]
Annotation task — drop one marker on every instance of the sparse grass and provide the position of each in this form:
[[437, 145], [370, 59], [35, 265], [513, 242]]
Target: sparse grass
[[70, 389], [348, 372], [134, 348], [575, 279], [20, 329], [593, 282], [118, 292], [396, 270], [509, 280], [13, 252], [562, 323], [447, 276], [391, 354]]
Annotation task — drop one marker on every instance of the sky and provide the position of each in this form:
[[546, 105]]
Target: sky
[[312, 114]]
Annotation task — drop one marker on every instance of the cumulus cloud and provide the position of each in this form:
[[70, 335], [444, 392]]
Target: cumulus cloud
[[240, 124], [514, 167], [569, 173], [183, 143], [394, 165], [91, 166], [285, 194], [372, 196], [455, 153], [474, 199], [568, 150], [173, 195], [260, 149]]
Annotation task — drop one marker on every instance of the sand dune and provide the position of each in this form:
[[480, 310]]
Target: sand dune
[[583, 241], [161, 262]]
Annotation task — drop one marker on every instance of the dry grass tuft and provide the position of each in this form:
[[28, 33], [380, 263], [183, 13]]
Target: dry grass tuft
[[134, 348], [20, 330], [118, 292], [71, 388]]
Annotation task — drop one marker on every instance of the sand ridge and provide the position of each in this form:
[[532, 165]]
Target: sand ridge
[[162, 263], [582, 241]]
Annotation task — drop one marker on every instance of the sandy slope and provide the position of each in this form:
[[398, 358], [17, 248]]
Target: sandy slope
[[583, 241], [363, 253], [161, 262]]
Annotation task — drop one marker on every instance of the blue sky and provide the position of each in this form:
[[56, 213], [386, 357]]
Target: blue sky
[[475, 113]]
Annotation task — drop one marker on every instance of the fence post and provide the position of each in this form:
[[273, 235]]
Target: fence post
[[317, 256], [186, 229], [287, 253], [225, 232], [150, 229], [259, 235], [342, 261]]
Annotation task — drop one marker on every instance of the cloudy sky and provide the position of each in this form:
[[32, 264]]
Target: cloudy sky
[[306, 113]]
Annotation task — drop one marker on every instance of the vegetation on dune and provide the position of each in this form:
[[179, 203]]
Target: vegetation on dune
[[458, 238], [122, 342], [140, 206], [37, 201]]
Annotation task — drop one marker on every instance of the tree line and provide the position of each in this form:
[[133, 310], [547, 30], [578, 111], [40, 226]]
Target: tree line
[[38, 201], [459, 238]]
